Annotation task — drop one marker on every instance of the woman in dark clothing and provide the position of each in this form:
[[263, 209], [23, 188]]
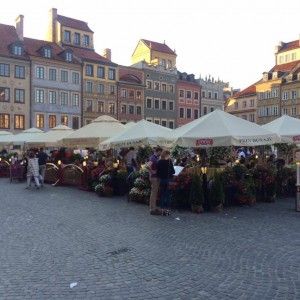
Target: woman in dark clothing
[[165, 171]]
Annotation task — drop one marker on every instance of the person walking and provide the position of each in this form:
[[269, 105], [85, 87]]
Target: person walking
[[152, 166], [131, 161], [165, 171], [42, 159], [33, 170]]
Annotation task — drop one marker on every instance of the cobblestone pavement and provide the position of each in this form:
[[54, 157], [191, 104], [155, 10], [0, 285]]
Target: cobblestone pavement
[[112, 249]]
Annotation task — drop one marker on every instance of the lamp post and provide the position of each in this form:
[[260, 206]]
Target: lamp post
[[59, 174], [84, 177]]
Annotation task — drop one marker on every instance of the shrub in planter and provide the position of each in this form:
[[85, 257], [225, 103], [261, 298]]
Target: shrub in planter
[[216, 194], [196, 195]]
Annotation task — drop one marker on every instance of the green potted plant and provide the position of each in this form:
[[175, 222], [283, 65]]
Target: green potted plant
[[216, 194], [196, 195], [120, 182]]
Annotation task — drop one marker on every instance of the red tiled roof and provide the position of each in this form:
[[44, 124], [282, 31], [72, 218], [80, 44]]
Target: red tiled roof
[[250, 90], [285, 67], [8, 36], [131, 78], [32, 47], [158, 47], [290, 46], [88, 54], [73, 23]]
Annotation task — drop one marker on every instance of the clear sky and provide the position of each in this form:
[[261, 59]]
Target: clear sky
[[233, 40]]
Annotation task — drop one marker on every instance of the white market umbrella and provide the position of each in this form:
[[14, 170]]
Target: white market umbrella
[[26, 136], [141, 133], [94, 133], [51, 138], [287, 128], [219, 128], [5, 137]]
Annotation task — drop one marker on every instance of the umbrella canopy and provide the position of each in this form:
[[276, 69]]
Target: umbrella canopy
[[3, 132], [92, 134], [141, 133], [5, 137], [286, 127], [219, 128], [52, 138], [26, 136]]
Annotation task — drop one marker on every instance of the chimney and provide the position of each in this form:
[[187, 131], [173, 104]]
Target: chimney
[[107, 53], [51, 34], [20, 27]]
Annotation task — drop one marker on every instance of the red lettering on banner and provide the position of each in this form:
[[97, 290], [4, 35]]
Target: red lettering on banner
[[296, 138], [203, 142]]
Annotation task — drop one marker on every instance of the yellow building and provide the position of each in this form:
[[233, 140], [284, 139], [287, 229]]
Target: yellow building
[[14, 79]]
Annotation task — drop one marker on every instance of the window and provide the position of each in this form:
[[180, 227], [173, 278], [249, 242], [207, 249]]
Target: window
[[111, 108], [100, 72], [19, 72], [89, 86], [77, 38], [156, 122], [75, 78], [275, 93], [251, 117], [181, 112], [268, 94], [19, 96], [100, 88], [111, 74], [212, 109], [285, 96], [39, 96], [252, 103], [39, 121], [75, 122], [164, 123], [209, 95], [171, 88], [275, 110], [244, 105], [112, 89], [244, 117], [89, 70], [63, 98], [52, 74], [205, 110], [216, 95], [100, 106], [138, 110], [181, 93], [89, 105], [188, 94], [294, 56], [163, 62], [149, 84], [163, 87], [261, 112], [131, 109], [39, 72], [47, 53], [156, 104], [123, 93], [139, 95], [64, 76], [75, 100], [149, 103], [169, 63], [52, 121], [64, 120], [188, 113], [68, 56], [163, 104], [67, 36], [203, 94], [196, 95], [171, 124], [4, 70], [17, 50], [19, 122], [260, 95], [267, 111], [293, 94], [293, 111], [123, 109], [4, 121], [171, 105], [131, 94], [86, 40], [284, 111], [4, 94], [196, 113]]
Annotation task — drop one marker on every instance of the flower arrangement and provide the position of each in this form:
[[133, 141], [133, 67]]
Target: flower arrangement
[[184, 179], [105, 179], [141, 183], [103, 190]]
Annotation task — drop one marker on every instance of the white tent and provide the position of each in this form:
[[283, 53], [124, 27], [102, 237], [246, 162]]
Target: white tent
[[219, 128], [142, 133], [5, 137], [52, 138], [26, 136], [92, 134], [287, 128]]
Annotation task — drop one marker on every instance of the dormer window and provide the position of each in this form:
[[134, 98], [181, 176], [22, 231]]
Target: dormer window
[[17, 50], [289, 77], [86, 40], [69, 56], [47, 53], [275, 75]]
